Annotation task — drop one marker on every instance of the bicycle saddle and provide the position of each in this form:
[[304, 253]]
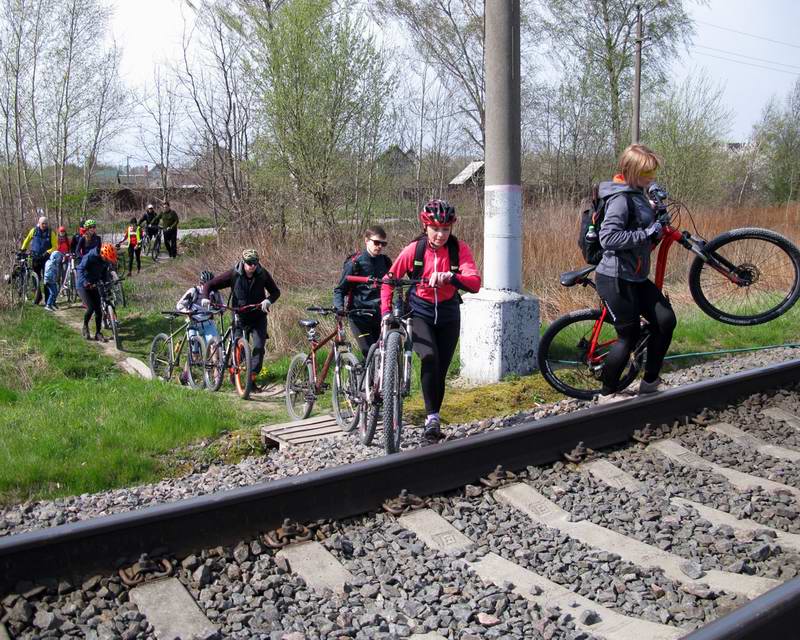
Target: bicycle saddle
[[309, 324], [571, 278]]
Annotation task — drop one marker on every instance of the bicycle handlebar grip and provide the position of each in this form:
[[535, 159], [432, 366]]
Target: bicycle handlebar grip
[[360, 279]]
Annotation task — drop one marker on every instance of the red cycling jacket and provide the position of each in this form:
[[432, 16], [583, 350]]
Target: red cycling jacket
[[429, 300]]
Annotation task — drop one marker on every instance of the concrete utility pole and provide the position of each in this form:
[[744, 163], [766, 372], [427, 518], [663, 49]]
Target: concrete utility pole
[[500, 326], [637, 79]]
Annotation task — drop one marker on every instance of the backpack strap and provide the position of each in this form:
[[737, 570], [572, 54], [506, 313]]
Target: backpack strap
[[419, 256]]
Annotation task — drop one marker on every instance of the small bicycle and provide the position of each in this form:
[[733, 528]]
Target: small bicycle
[[69, 285], [232, 352], [387, 369], [742, 277], [305, 382], [23, 280], [166, 352], [108, 308], [154, 247]]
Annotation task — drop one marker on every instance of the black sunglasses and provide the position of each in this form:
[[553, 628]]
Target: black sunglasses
[[382, 243], [251, 262]]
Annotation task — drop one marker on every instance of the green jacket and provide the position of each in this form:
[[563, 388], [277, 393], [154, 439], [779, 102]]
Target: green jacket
[[169, 219]]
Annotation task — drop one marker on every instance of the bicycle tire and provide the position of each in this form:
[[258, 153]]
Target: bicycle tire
[[214, 364], [119, 293], [72, 287], [371, 408], [392, 394], [16, 293], [156, 249], [161, 359], [196, 361], [114, 326], [242, 368], [563, 350], [345, 391], [298, 389], [31, 286], [735, 246]]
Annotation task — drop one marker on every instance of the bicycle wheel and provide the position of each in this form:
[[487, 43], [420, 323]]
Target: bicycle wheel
[[392, 393], [156, 248], [161, 358], [242, 368], [753, 277], [31, 287], [371, 409], [119, 293], [71, 287], [214, 364], [564, 355], [17, 289], [345, 391], [196, 361], [113, 324], [300, 396]]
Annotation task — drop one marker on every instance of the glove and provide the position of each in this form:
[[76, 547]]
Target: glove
[[654, 230], [205, 303], [265, 305], [664, 218]]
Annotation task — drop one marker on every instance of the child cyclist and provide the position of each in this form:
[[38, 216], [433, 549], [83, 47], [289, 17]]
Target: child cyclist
[[447, 266], [202, 321]]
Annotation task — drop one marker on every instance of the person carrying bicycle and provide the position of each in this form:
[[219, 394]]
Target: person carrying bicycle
[[347, 295], [149, 221], [250, 283], [445, 264], [89, 240], [93, 269], [133, 236], [628, 234], [42, 241], [169, 221]]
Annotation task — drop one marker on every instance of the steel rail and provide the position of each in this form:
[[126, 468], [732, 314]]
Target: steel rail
[[223, 518]]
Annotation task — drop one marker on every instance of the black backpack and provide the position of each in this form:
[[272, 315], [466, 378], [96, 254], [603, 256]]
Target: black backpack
[[419, 256], [591, 219]]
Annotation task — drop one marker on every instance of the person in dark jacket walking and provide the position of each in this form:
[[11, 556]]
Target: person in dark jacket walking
[[93, 269], [89, 240], [250, 283], [169, 221], [628, 234], [348, 295]]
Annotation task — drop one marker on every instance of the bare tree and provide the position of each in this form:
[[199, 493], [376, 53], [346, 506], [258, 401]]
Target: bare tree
[[158, 132]]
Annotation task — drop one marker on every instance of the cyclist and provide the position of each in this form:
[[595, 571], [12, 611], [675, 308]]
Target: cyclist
[[445, 265], [94, 268], [250, 283], [202, 322], [169, 220], [52, 278], [89, 240], [149, 221], [369, 262], [73, 245], [133, 236], [42, 241], [628, 234]]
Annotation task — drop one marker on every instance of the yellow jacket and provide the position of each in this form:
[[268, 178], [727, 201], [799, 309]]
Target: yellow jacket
[[29, 239]]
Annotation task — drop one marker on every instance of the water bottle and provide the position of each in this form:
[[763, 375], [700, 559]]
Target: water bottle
[[591, 234]]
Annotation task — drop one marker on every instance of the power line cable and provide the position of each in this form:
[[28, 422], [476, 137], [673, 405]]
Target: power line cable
[[741, 55], [749, 64], [751, 35]]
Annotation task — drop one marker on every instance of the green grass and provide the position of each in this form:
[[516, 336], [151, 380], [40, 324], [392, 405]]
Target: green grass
[[198, 222], [71, 423]]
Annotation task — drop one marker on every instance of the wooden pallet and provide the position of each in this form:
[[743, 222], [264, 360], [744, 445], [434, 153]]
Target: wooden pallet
[[287, 434]]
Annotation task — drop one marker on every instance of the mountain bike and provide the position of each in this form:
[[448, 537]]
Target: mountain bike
[[116, 288], [69, 285], [166, 351], [155, 245], [387, 369], [231, 352], [741, 277], [305, 381], [108, 308], [23, 280]]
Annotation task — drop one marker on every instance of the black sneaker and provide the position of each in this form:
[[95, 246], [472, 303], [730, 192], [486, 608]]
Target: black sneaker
[[99, 337], [432, 431], [85, 332]]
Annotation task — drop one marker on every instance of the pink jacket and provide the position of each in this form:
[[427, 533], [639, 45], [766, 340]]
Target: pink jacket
[[434, 260]]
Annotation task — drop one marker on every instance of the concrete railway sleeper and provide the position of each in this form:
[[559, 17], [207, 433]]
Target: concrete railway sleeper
[[669, 539]]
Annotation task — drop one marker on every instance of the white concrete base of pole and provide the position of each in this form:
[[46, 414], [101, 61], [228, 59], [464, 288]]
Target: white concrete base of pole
[[499, 335]]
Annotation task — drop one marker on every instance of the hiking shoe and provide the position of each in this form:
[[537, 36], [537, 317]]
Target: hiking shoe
[[432, 431], [47, 307], [652, 387], [611, 398], [184, 378], [99, 337], [85, 332]]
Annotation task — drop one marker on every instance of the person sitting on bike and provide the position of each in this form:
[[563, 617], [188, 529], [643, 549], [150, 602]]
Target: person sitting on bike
[[447, 266], [369, 262], [52, 279], [133, 236], [42, 241], [169, 220], [93, 269], [250, 283], [149, 221], [89, 240], [628, 234], [202, 322]]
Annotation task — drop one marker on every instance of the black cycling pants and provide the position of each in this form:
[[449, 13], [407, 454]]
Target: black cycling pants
[[37, 264], [91, 298], [255, 329], [366, 331], [626, 302], [171, 241], [435, 345], [134, 251]]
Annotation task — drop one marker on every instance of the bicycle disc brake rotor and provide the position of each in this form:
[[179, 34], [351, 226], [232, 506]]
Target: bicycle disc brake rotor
[[748, 274]]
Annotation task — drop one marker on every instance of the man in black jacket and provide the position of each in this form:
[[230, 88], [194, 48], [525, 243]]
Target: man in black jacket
[[250, 283], [348, 295]]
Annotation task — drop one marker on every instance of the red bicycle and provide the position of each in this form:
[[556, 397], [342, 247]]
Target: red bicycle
[[741, 277], [231, 352]]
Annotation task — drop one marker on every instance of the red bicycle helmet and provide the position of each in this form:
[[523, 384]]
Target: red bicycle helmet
[[438, 213]]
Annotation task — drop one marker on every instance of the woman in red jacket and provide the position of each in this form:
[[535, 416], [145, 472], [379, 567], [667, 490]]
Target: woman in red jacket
[[447, 266]]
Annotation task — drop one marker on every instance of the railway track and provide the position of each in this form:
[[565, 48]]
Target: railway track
[[692, 529]]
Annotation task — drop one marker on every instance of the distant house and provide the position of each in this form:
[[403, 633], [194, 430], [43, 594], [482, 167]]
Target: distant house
[[471, 175], [396, 162]]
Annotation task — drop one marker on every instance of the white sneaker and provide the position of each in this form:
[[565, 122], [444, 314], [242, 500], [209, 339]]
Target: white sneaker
[[611, 398], [652, 387]]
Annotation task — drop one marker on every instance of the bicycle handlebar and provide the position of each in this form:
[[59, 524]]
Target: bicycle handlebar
[[324, 311], [242, 309], [394, 282]]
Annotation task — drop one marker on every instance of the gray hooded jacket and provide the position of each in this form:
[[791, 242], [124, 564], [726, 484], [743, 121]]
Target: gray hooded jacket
[[626, 242]]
